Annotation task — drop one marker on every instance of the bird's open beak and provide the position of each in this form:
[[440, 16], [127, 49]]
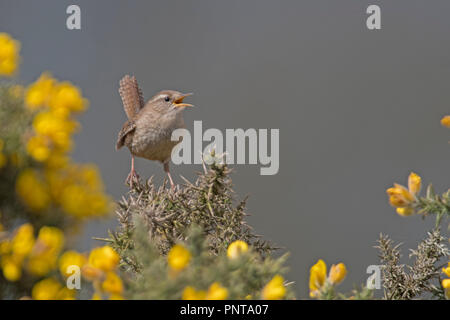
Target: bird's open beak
[[179, 101]]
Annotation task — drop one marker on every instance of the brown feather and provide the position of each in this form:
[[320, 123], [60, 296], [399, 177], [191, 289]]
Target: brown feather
[[131, 95], [125, 134]]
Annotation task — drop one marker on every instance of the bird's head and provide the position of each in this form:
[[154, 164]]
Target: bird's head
[[170, 101]]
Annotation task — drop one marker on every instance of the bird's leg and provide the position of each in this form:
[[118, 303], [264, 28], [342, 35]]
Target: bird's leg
[[132, 176], [166, 169]]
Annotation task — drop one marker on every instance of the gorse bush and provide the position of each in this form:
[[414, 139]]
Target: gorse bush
[[208, 202], [190, 271], [45, 196], [424, 275], [187, 242], [192, 242]]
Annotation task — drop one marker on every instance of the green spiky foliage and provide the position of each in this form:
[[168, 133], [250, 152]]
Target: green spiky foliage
[[434, 204], [405, 282], [243, 277], [169, 213], [15, 121], [205, 218]]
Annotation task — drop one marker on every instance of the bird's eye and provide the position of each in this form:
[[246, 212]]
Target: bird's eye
[[167, 98]]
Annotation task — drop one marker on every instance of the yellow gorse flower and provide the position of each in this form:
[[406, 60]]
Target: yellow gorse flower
[[104, 258], [447, 270], [96, 296], [32, 190], [11, 270], [76, 189], [112, 284], [318, 280], [51, 289], [38, 255], [50, 239], [317, 277], [402, 198], [70, 258], [446, 282], [178, 257], [337, 273], [189, 293], [446, 286], [100, 269], [44, 256], [66, 96], [445, 121], [46, 289], [9, 54], [38, 94], [216, 292], [236, 248], [23, 241], [275, 289], [39, 147]]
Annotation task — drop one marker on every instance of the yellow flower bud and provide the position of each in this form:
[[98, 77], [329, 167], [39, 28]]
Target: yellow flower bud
[[236, 248], [274, 290], [405, 211], [337, 273], [414, 183], [178, 257], [317, 277]]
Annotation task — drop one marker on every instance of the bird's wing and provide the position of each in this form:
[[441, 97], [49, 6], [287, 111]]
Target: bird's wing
[[131, 95], [128, 128]]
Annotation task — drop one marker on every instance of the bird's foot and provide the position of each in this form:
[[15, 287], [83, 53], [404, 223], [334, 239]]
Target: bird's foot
[[132, 178]]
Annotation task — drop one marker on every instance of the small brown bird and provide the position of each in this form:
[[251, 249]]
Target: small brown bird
[[148, 130]]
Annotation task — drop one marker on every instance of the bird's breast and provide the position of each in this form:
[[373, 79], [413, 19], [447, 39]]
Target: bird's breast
[[152, 139]]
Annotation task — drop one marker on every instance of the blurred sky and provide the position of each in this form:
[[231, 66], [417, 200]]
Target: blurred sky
[[357, 109]]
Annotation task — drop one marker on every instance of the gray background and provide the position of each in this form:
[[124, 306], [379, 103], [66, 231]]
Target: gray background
[[357, 109]]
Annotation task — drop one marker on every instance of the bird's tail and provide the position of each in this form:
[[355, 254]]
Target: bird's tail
[[131, 95]]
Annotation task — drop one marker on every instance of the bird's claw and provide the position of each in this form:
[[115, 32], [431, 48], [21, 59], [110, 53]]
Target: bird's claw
[[132, 178]]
